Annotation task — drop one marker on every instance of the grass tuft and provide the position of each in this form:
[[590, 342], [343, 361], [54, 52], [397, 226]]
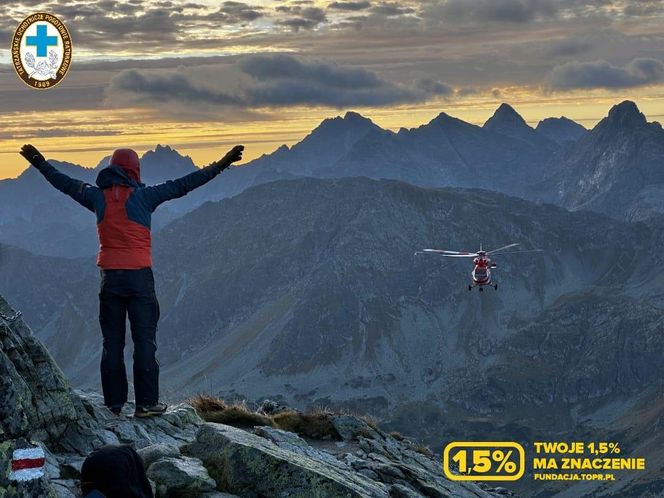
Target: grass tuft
[[397, 435], [215, 410], [315, 424], [424, 450], [371, 421]]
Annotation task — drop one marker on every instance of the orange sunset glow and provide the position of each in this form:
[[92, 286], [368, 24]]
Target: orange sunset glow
[[201, 77]]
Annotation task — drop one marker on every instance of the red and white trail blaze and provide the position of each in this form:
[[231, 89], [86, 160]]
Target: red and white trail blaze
[[27, 464]]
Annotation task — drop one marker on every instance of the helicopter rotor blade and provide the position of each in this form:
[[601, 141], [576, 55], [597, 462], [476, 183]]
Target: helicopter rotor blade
[[494, 251], [448, 254], [520, 252], [443, 251]]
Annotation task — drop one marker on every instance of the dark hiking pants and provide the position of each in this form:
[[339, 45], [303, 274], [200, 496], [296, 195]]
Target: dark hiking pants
[[129, 293]]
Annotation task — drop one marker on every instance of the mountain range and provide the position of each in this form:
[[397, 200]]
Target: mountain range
[[294, 278], [546, 163], [617, 169], [307, 291]]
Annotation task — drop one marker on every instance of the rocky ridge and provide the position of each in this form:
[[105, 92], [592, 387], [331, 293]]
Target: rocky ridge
[[188, 457]]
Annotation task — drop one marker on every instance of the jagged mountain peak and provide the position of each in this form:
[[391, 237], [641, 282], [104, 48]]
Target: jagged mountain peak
[[327, 143], [616, 168], [355, 116], [330, 130], [561, 130], [561, 119], [505, 115], [625, 114], [164, 163], [350, 120], [163, 151], [105, 161], [445, 119]]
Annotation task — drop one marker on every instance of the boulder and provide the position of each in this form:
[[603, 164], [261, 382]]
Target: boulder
[[181, 477], [35, 399], [154, 452], [253, 466], [350, 427], [186, 457]]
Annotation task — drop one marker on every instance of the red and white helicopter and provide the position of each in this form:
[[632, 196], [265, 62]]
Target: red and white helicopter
[[481, 274]]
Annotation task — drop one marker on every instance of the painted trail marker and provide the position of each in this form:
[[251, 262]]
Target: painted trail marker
[[27, 464]]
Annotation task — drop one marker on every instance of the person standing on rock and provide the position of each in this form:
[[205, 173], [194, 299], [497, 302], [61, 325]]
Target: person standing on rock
[[124, 206]]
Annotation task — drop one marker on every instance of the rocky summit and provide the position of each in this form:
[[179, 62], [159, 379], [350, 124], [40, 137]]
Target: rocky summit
[[184, 455]]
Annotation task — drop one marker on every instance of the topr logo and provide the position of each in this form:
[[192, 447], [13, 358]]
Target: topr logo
[[41, 50]]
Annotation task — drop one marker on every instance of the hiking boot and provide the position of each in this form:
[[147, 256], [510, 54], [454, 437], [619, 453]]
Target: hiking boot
[[150, 411]]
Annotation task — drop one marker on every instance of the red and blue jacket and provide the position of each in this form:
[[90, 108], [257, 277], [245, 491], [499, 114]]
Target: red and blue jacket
[[124, 208]]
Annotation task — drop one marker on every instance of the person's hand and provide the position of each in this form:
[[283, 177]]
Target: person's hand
[[31, 153], [232, 156]]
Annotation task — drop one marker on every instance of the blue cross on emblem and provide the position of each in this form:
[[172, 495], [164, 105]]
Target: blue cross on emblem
[[41, 41]]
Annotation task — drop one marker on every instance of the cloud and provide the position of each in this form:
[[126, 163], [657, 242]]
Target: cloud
[[97, 29], [349, 6], [237, 12], [569, 47], [433, 87], [482, 11], [601, 74], [274, 80], [643, 8], [306, 17], [57, 132], [287, 67], [151, 25], [392, 9], [179, 86]]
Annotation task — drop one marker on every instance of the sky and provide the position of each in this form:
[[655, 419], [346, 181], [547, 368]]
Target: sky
[[203, 75]]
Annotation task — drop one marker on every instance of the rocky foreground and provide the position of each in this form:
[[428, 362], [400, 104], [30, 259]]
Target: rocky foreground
[[186, 456]]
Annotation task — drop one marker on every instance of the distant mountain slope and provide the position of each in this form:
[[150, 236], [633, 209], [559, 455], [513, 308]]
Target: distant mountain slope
[[444, 152], [37, 217], [617, 168], [506, 155], [308, 291], [508, 122], [561, 130]]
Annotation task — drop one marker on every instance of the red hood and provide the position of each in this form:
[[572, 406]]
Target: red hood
[[127, 159]]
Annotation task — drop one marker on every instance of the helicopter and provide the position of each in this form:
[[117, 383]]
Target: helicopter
[[481, 274]]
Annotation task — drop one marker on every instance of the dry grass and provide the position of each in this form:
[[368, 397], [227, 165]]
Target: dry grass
[[212, 409], [397, 435], [424, 450], [371, 421], [364, 432], [315, 424], [204, 403]]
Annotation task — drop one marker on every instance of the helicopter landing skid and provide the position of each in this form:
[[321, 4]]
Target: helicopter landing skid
[[481, 287]]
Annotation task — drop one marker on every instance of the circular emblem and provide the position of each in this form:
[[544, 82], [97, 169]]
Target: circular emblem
[[41, 50]]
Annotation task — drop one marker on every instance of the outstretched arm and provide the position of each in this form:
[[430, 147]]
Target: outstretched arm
[[172, 189], [83, 193]]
